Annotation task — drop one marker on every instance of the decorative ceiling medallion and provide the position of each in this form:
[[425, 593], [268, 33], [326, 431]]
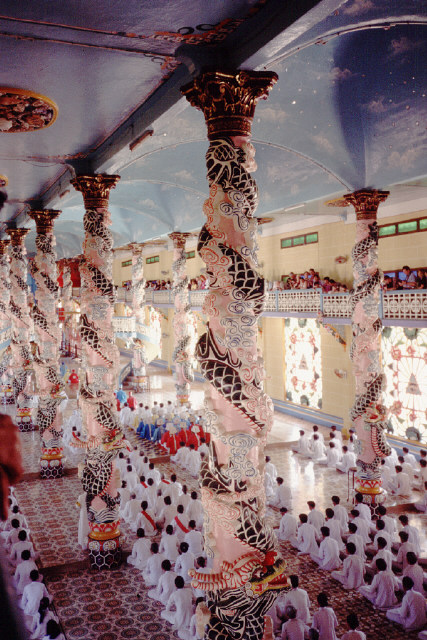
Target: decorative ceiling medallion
[[3, 181], [22, 111]]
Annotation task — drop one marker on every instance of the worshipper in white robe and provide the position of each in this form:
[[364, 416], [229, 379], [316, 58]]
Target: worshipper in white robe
[[383, 553], [149, 493], [387, 476], [328, 554], [23, 570], [146, 519], [270, 468], [180, 457], [83, 530], [32, 594], [332, 457], [23, 544], [203, 447], [153, 568], [324, 619], [194, 461], [153, 473], [389, 521], [315, 517], [415, 572], [293, 628], [282, 495], [408, 469], [401, 561], [318, 451], [11, 536], [297, 598], [363, 509], [363, 526], [380, 533], [337, 433], [421, 505], [194, 510], [357, 540], [169, 544], [166, 513], [133, 508], [185, 561], [421, 474], [412, 612], [337, 442], [306, 536], [41, 620], [269, 486], [348, 460], [200, 568], [179, 607], [124, 497], [382, 590], [318, 433], [391, 460], [173, 489], [303, 446], [53, 631], [413, 533], [402, 483], [409, 457], [354, 633], [288, 527], [185, 497], [335, 528], [340, 512], [166, 584], [131, 477], [194, 539], [352, 572], [124, 414], [141, 551]]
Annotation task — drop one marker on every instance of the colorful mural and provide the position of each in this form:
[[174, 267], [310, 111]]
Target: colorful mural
[[404, 353], [303, 362]]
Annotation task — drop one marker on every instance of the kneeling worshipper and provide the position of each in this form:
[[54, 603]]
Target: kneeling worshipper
[[353, 569], [293, 628], [303, 445], [297, 598], [324, 619], [140, 551], [153, 567], [328, 554], [166, 585], [179, 608], [306, 537], [288, 527], [382, 590], [185, 561], [32, 594], [23, 570], [169, 544], [412, 612]]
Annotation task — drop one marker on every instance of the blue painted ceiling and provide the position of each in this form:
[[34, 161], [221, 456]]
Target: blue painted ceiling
[[348, 111]]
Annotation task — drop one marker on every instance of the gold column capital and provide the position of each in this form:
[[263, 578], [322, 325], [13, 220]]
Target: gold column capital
[[179, 239], [95, 189], [366, 202], [17, 236], [228, 99], [44, 219], [3, 246]]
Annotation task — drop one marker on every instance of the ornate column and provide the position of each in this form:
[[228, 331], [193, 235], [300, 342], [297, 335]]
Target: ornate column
[[100, 360], [182, 356], [139, 356], [7, 397], [247, 570], [49, 383], [21, 327], [368, 415]]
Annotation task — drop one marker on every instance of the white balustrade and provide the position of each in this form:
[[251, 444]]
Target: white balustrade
[[407, 305], [336, 305]]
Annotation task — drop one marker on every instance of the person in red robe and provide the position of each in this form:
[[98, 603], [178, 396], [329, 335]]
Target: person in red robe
[[131, 401], [74, 378]]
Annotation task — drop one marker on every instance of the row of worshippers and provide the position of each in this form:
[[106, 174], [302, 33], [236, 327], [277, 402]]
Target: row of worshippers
[[339, 542], [292, 619], [33, 597]]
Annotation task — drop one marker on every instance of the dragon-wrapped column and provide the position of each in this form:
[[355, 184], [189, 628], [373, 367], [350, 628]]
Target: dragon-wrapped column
[[7, 397], [21, 328], [139, 357], [248, 571], [368, 415], [67, 305], [182, 356], [100, 360], [47, 333]]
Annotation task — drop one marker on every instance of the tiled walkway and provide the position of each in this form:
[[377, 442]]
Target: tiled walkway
[[114, 605]]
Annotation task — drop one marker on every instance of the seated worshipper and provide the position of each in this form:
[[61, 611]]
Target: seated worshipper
[[21, 545], [328, 554], [167, 512], [383, 553], [133, 509], [388, 476], [353, 634], [324, 619], [282, 495], [124, 497], [180, 523], [303, 445], [194, 539], [146, 520], [180, 458], [288, 527], [306, 536], [412, 612], [415, 572], [402, 483], [293, 629], [173, 489], [184, 562], [153, 567], [270, 468], [380, 533], [131, 477], [332, 457], [140, 551], [382, 590], [169, 544], [421, 505], [11, 536], [340, 512], [41, 619], [363, 526], [200, 568], [409, 457], [407, 468], [389, 521], [405, 546], [297, 598], [165, 586], [53, 631], [413, 533], [193, 461], [149, 493], [32, 594], [337, 433], [83, 530], [421, 475], [23, 570], [159, 430], [179, 607], [392, 460], [315, 517], [363, 509], [194, 510], [353, 569], [337, 442], [357, 540], [348, 460], [318, 433], [335, 528], [203, 447], [318, 450]]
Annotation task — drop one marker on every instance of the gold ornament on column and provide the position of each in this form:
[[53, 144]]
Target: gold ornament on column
[[95, 189]]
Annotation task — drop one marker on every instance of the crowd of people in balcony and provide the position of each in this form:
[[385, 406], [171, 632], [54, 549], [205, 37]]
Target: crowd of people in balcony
[[411, 279], [194, 284], [308, 280]]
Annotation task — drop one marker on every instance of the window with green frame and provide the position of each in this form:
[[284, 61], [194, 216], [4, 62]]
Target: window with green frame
[[190, 254], [297, 241], [402, 228], [152, 259], [127, 263]]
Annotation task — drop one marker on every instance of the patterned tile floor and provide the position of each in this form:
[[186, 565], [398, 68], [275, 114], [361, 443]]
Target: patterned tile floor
[[114, 605]]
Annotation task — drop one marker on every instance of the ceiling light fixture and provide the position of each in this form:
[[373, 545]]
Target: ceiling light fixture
[[140, 139]]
